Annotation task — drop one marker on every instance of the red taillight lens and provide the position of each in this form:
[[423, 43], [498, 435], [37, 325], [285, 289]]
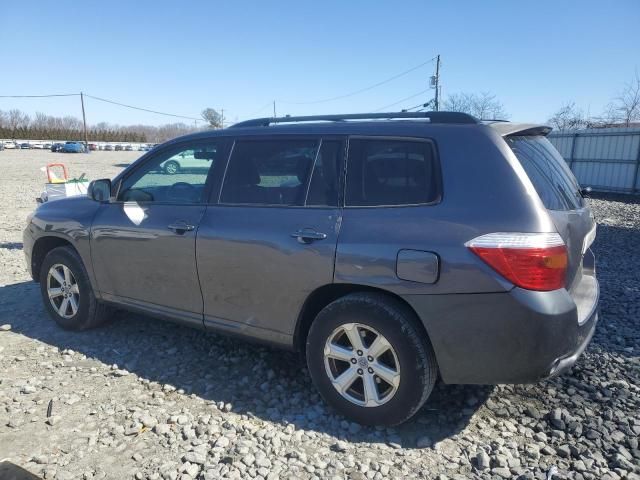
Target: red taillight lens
[[535, 261]]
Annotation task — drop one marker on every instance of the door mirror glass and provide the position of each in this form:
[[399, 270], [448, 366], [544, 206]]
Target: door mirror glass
[[100, 190]]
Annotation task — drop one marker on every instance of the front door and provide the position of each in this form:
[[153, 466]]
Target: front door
[[143, 242], [271, 239]]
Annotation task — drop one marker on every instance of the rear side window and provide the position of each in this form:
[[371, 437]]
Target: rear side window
[[323, 190], [549, 173], [269, 172], [391, 172]]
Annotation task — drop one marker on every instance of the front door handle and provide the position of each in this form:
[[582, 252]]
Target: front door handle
[[181, 227], [308, 235]]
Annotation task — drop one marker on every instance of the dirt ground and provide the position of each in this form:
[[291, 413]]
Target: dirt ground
[[139, 398]]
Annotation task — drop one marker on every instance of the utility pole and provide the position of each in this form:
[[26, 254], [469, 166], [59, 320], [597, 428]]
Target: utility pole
[[84, 122], [436, 100], [222, 118], [274, 109]]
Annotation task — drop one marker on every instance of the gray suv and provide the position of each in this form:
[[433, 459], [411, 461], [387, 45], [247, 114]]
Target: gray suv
[[389, 249]]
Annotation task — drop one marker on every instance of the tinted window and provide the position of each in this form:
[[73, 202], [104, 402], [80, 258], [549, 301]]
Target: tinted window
[[323, 189], [269, 172], [548, 172], [175, 176], [390, 172]]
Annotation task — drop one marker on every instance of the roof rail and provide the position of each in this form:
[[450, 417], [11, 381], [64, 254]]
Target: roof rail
[[433, 117]]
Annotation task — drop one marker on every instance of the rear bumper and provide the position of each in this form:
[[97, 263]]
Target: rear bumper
[[518, 336]]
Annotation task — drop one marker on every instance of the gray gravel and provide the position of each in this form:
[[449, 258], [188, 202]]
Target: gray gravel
[[149, 400]]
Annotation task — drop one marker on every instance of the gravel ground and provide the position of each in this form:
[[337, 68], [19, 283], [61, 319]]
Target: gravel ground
[[145, 399]]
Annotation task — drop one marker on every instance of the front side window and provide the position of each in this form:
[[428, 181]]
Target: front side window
[[178, 175], [269, 172], [391, 172]]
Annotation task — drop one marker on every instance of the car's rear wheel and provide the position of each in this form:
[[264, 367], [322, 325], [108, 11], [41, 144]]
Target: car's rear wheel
[[370, 359], [171, 167], [67, 293]]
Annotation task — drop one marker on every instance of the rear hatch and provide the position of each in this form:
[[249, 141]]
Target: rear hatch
[[561, 195]]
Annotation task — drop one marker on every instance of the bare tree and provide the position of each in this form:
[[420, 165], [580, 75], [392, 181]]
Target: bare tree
[[17, 119], [458, 102], [569, 117], [213, 117], [626, 107], [484, 105]]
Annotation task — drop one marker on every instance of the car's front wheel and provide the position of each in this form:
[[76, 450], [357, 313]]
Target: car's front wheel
[[67, 293], [370, 359], [171, 167]]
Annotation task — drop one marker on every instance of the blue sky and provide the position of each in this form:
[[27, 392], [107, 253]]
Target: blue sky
[[181, 57]]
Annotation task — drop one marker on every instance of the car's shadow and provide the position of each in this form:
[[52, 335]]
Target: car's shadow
[[267, 383]]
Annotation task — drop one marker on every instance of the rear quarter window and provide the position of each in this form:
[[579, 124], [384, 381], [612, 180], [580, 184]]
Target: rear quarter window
[[390, 172], [549, 173]]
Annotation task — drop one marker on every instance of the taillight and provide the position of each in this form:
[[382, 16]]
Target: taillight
[[535, 261]]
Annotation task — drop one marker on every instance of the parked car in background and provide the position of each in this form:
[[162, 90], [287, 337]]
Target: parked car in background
[[108, 148], [73, 147], [92, 146], [1, 145], [128, 148], [390, 250], [10, 144], [186, 160], [46, 146], [57, 147], [118, 148], [25, 146], [36, 146]]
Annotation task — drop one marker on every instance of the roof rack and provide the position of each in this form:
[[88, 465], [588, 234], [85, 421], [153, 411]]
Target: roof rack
[[433, 117]]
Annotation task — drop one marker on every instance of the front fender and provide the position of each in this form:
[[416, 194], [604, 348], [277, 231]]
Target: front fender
[[67, 220]]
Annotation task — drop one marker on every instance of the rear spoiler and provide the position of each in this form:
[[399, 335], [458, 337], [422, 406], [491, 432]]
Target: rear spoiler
[[507, 128]]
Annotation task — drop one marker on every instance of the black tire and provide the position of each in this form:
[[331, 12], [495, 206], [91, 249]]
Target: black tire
[[90, 312], [171, 167], [399, 325]]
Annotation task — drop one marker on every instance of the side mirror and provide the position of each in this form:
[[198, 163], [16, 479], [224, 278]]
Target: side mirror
[[586, 191], [100, 190]]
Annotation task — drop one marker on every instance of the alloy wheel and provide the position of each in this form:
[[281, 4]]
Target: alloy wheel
[[63, 290], [362, 365]]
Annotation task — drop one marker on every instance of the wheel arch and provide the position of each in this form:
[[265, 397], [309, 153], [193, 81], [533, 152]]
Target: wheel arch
[[324, 295], [42, 247]]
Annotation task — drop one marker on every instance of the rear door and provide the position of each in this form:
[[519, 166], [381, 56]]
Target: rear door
[[560, 193], [270, 238]]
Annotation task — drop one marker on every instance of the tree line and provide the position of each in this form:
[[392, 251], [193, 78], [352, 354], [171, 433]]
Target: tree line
[[15, 124], [622, 111]]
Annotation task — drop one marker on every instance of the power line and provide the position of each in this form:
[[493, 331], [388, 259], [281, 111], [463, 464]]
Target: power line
[[362, 90], [42, 96], [142, 109], [103, 100], [403, 100], [268, 104], [419, 106]]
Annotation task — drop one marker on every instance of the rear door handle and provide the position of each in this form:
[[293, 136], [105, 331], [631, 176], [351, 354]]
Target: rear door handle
[[181, 227], [307, 235]]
